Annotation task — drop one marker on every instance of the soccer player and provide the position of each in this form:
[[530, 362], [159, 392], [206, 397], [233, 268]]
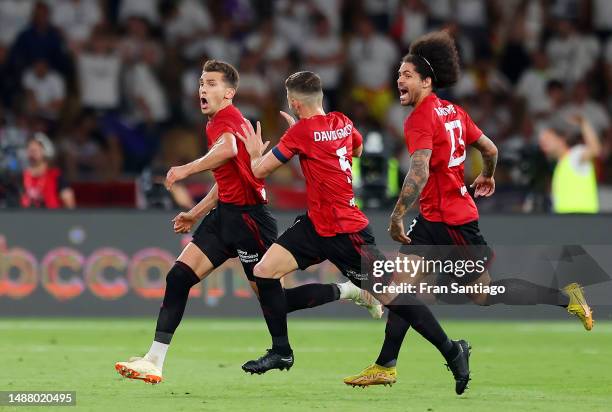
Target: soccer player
[[437, 133], [237, 223], [334, 228]]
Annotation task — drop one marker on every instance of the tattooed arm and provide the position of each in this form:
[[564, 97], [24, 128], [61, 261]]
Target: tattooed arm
[[485, 183], [413, 184]]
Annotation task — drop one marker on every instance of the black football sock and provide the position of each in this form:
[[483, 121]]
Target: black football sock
[[179, 281], [522, 292], [274, 307], [311, 295], [395, 331], [417, 315]]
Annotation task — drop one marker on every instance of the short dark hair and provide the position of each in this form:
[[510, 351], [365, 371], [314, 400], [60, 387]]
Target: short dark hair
[[230, 74], [435, 55], [307, 83], [568, 131]]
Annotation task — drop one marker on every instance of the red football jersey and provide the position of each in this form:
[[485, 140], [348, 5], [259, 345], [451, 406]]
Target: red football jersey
[[446, 129], [325, 146], [235, 180]]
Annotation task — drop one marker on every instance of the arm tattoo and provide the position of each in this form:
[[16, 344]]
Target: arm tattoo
[[489, 165], [413, 183], [488, 150]]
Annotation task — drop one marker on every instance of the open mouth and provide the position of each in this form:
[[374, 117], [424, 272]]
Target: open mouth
[[403, 93], [203, 103]]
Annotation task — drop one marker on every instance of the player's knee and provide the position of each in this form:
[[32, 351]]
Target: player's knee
[[264, 271], [181, 276]]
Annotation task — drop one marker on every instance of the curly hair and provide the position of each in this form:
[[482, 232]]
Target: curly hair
[[435, 55]]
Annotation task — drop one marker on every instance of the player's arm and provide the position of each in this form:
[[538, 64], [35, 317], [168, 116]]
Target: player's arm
[[411, 190], [591, 141], [485, 183], [357, 151], [262, 165], [220, 153], [185, 220]]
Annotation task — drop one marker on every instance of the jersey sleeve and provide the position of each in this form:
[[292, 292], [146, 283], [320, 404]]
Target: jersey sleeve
[[472, 132], [418, 132], [220, 127], [288, 146], [357, 138]]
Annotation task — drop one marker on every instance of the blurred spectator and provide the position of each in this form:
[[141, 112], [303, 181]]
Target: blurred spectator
[[138, 43], [532, 84], [190, 95], [45, 90], [145, 97], [573, 143], [144, 9], [99, 72], [574, 53], [82, 151], [602, 18], [76, 19], [43, 185], [291, 19], [273, 51], [219, 44], [254, 89], [482, 77], [378, 13], [184, 21], [373, 58], [40, 41], [7, 86], [410, 22], [514, 57], [581, 104], [14, 16], [491, 115], [323, 54], [440, 12]]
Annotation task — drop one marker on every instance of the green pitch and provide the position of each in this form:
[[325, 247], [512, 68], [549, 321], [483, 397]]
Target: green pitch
[[526, 366]]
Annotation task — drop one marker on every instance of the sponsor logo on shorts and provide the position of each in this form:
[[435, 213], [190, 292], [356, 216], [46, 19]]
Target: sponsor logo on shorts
[[356, 275], [246, 257]]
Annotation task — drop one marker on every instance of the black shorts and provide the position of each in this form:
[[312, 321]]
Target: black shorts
[[437, 240], [351, 253], [230, 231]]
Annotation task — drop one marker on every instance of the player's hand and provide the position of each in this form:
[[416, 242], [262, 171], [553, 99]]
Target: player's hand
[[397, 232], [183, 222], [252, 140], [175, 174], [290, 120], [485, 186]]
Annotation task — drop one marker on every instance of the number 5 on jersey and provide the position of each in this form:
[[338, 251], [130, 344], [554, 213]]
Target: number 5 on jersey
[[345, 165]]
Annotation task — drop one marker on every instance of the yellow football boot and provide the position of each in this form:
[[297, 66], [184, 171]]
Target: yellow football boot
[[578, 306], [373, 375]]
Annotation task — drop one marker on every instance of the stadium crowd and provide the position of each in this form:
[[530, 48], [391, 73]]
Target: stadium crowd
[[113, 84]]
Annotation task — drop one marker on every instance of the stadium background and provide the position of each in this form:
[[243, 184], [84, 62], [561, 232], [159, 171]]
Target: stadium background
[[113, 84]]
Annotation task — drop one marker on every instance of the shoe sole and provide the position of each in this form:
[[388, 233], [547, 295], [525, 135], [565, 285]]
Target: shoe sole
[[132, 374], [253, 372], [364, 385]]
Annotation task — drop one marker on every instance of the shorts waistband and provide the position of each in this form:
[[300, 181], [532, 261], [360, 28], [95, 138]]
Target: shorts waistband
[[241, 208]]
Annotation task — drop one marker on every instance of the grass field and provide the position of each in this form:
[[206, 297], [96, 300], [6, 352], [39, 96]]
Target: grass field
[[535, 366]]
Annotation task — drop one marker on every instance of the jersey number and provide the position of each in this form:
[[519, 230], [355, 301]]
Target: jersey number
[[345, 165], [457, 152]]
